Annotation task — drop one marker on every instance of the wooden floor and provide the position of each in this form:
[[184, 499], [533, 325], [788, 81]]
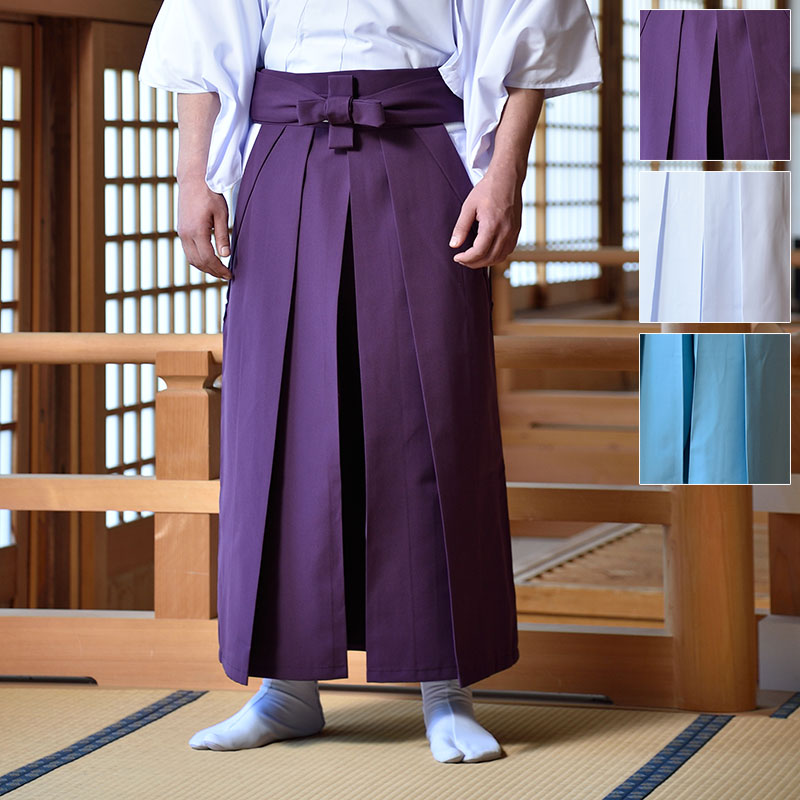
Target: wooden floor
[[607, 575]]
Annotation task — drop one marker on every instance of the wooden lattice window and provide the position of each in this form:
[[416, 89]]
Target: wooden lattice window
[[149, 287], [630, 124], [15, 89]]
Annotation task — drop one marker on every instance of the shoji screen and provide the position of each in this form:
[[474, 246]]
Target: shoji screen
[[146, 285], [15, 250], [134, 279]]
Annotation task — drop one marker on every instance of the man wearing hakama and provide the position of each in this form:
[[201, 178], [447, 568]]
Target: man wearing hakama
[[363, 493]]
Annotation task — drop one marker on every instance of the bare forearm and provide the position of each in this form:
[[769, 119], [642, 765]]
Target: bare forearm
[[196, 116], [496, 200], [201, 211], [514, 133]]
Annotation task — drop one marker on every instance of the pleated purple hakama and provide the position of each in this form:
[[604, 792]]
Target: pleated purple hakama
[[714, 84], [363, 496]]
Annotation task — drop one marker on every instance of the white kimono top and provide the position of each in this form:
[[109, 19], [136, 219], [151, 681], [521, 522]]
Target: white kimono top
[[480, 47]]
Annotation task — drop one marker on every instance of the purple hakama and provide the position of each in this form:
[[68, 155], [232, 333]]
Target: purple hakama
[[348, 323], [714, 85]]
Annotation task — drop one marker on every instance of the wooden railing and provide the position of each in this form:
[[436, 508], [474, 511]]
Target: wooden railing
[[604, 256], [694, 662]]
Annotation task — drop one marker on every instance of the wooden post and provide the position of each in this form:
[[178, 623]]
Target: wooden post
[[710, 607], [611, 156], [187, 447], [784, 564]]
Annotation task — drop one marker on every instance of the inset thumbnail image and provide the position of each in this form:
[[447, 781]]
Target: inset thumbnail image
[[714, 408], [714, 247], [714, 84]]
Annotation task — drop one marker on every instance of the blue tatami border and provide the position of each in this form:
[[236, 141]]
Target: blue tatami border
[[35, 769]]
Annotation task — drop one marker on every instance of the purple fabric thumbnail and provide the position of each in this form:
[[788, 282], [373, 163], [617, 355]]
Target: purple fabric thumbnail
[[714, 85]]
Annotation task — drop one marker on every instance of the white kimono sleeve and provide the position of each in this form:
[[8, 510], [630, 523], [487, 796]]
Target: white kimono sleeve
[[210, 46], [534, 44]]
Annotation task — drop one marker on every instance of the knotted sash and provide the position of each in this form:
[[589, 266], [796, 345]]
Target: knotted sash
[[331, 98]]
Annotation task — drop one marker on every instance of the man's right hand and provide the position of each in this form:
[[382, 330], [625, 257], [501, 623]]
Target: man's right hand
[[201, 212]]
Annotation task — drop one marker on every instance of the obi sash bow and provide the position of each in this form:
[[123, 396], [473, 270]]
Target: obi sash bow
[[422, 101]]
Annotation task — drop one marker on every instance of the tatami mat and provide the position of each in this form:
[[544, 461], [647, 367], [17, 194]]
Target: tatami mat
[[38, 720], [374, 747], [751, 758]]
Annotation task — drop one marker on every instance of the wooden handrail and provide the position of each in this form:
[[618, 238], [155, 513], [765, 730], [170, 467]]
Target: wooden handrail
[[57, 492], [559, 352], [517, 351], [527, 501], [588, 502], [604, 256], [101, 348], [567, 352]]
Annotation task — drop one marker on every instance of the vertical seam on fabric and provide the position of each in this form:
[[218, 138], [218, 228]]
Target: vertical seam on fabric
[[404, 417], [239, 221], [432, 449], [703, 252], [656, 299], [670, 140], [741, 250], [280, 394], [755, 84], [702, 275], [331, 571], [744, 420], [687, 455], [409, 546], [644, 23]]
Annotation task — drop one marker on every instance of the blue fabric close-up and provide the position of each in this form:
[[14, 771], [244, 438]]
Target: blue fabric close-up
[[714, 408]]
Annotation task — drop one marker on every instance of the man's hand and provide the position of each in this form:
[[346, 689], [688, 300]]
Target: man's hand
[[496, 202], [201, 211]]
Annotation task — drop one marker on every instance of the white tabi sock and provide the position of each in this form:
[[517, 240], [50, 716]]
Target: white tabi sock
[[450, 724], [278, 710]]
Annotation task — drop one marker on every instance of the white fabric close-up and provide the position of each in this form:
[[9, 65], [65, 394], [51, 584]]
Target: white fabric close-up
[[714, 247], [480, 47]]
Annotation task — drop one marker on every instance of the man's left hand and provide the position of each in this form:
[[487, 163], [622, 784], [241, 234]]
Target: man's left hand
[[496, 203]]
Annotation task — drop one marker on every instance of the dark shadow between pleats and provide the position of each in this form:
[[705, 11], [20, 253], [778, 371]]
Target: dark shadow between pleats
[[351, 452], [714, 141], [688, 362]]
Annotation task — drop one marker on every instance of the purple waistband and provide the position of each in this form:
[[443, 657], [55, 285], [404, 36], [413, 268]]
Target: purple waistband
[[346, 98]]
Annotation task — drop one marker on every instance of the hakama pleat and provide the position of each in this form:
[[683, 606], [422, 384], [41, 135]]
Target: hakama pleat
[[715, 84], [714, 408], [363, 496], [714, 246]]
